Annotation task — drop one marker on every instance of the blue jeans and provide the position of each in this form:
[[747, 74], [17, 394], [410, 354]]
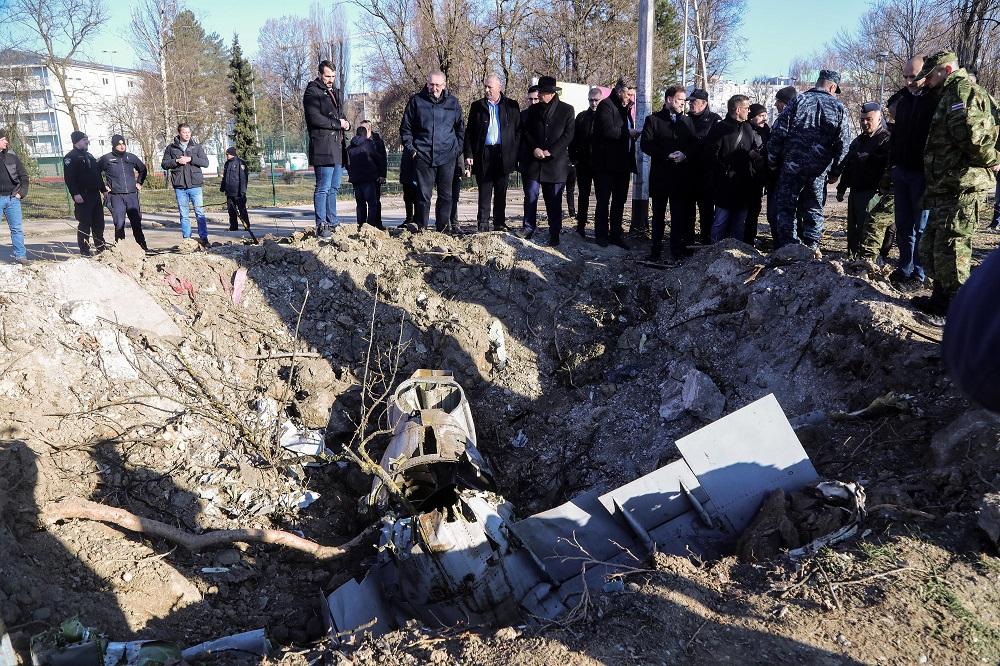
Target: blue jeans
[[728, 223], [908, 187], [191, 196], [325, 194], [996, 207], [11, 209]]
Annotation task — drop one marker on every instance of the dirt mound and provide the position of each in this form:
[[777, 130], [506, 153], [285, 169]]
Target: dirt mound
[[160, 384]]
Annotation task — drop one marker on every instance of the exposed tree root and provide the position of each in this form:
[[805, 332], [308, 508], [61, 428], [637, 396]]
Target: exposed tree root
[[77, 507]]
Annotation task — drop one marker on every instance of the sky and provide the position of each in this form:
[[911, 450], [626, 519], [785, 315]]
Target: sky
[[774, 31]]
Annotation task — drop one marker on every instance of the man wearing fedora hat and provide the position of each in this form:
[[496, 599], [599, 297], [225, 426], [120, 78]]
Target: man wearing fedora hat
[[13, 188], [546, 134], [808, 146]]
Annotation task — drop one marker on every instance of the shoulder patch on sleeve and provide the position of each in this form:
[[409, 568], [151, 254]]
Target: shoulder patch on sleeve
[[957, 107], [67, 161]]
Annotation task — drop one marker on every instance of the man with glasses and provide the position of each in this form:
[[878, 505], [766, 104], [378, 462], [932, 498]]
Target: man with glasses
[[913, 111], [580, 156]]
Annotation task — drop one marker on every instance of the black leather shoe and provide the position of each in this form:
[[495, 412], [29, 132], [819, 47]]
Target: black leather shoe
[[620, 242]]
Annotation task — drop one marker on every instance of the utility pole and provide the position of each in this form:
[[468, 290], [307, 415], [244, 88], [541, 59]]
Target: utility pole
[[882, 57], [162, 52], [684, 47], [253, 96], [643, 107], [701, 46]]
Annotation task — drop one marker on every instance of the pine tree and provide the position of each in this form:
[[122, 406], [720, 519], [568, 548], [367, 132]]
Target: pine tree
[[244, 133]]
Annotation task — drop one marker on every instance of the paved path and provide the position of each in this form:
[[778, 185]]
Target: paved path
[[56, 239]]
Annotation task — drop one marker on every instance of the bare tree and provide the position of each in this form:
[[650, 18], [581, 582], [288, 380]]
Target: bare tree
[[714, 27], [60, 29], [151, 35], [138, 113]]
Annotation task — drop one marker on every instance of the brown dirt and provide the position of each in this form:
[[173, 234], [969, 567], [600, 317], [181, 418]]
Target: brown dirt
[[180, 429]]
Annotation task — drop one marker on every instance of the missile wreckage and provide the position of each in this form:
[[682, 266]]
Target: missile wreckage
[[464, 558]]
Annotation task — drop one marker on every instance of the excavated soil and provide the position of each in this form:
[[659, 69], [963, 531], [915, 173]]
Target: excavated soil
[[165, 399]]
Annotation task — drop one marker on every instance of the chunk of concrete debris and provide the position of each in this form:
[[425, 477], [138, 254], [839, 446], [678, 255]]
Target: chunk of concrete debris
[[115, 298], [989, 517], [973, 428], [694, 393], [498, 346], [451, 551]]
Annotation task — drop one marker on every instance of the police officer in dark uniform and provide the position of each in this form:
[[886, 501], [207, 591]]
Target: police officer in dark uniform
[[123, 175], [83, 180]]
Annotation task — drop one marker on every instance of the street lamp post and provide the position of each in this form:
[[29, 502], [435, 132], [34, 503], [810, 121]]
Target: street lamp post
[[883, 58], [281, 108], [114, 83]]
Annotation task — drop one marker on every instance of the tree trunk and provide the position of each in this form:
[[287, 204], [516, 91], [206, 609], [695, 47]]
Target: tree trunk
[[60, 74]]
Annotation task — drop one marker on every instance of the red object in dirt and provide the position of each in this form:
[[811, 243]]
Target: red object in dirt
[[179, 285]]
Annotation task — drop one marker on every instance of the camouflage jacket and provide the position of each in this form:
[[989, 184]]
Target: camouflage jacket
[[962, 142], [811, 135]]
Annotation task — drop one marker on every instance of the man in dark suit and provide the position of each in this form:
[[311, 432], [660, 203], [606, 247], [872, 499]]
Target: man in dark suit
[[580, 156], [545, 137], [613, 148], [668, 137], [492, 135]]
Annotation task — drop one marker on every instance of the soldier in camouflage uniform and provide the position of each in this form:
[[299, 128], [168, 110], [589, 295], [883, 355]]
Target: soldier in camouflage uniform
[[808, 146], [960, 163], [877, 232]]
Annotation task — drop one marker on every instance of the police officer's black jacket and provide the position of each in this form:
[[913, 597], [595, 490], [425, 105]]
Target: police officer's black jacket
[[583, 132], [612, 145], [81, 173], [121, 171], [663, 133], [234, 178], [433, 130], [733, 156], [367, 158], [549, 127], [14, 177], [324, 112], [478, 126], [866, 162], [185, 176]]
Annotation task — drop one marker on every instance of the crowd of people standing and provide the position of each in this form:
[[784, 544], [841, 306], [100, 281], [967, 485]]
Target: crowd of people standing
[[916, 174]]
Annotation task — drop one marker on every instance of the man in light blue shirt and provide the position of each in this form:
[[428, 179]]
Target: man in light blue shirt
[[491, 142]]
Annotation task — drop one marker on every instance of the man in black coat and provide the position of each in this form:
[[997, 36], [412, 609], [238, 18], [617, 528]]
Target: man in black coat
[[668, 138], [734, 158], [546, 136], [703, 120], [326, 124], [867, 159], [234, 185], [580, 156], [184, 159], [433, 132], [124, 174], [613, 146], [367, 170], [758, 120], [83, 180], [492, 138]]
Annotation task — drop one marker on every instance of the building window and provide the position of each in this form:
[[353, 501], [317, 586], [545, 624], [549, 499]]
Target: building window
[[131, 84], [105, 81]]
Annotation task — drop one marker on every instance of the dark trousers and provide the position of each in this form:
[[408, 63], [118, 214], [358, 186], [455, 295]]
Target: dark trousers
[[682, 214], [857, 214], [90, 218], [492, 184], [584, 180], [456, 192], [611, 190], [127, 205], [908, 187], [753, 215], [368, 196], [706, 217], [237, 208], [429, 178], [571, 190], [410, 196], [552, 194]]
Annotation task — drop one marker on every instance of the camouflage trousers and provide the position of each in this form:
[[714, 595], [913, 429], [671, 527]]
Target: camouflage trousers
[[799, 194], [946, 246], [878, 226]]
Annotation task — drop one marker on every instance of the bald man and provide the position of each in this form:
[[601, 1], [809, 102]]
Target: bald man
[[912, 113], [492, 138]]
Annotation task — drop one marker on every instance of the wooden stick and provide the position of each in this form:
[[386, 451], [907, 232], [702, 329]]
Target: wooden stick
[[264, 357], [77, 507]]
